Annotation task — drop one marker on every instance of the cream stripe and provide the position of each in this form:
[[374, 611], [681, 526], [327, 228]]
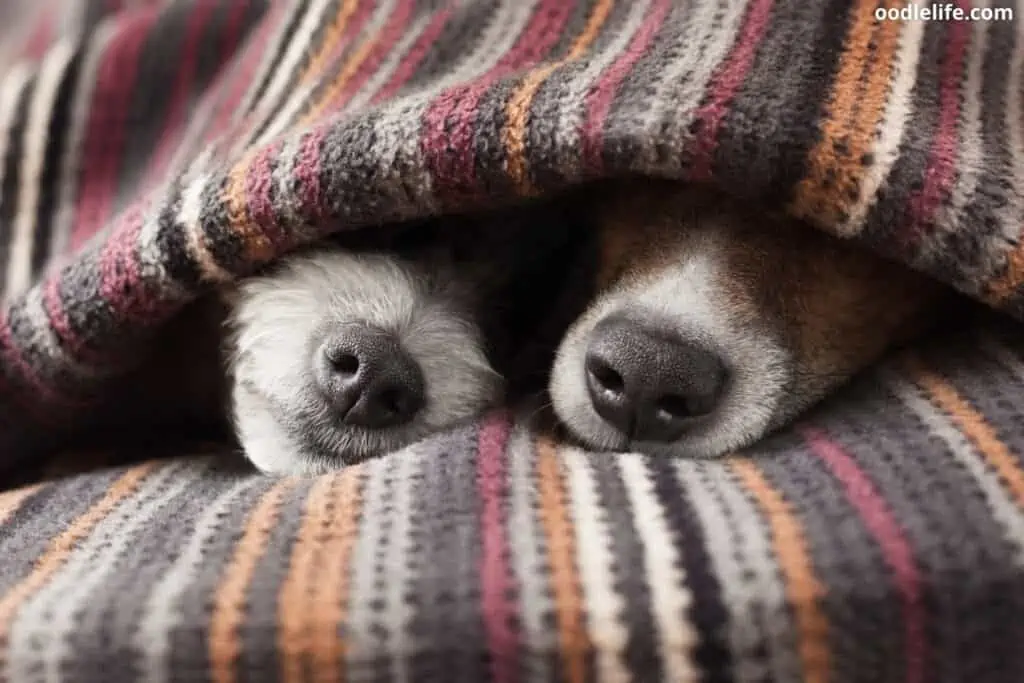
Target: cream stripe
[[970, 152], [495, 42], [361, 637], [1011, 214], [149, 250], [398, 613], [52, 70], [670, 598], [299, 96], [11, 90], [570, 116], [283, 177], [70, 165], [603, 605], [272, 50], [387, 68], [188, 218], [285, 71], [162, 615], [39, 637], [1004, 508], [891, 127], [11, 501], [528, 559], [391, 607], [43, 337], [743, 557], [676, 99]]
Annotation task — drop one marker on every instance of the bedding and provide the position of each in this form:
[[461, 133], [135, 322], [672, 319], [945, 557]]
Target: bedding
[[155, 150]]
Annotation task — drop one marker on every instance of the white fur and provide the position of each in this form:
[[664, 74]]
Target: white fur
[[683, 299], [277, 321]]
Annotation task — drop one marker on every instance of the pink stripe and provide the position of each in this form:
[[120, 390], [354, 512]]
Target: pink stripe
[[449, 122], [599, 102], [41, 38], [119, 286], [241, 78], [396, 26], [179, 98], [105, 133], [724, 84], [306, 172], [121, 283], [232, 29], [939, 176], [415, 56], [61, 325], [259, 184], [499, 610], [880, 521]]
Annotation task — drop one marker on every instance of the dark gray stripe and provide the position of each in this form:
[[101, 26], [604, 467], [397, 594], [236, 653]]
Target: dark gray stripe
[[445, 595], [847, 559]]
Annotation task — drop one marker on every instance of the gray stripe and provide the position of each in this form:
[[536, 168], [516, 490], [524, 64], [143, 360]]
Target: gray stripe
[[189, 643], [947, 524], [117, 606], [259, 629], [26, 537], [445, 594], [367, 628], [39, 635], [762, 635], [628, 569], [845, 557], [662, 95], [528, 559], [161, 616]]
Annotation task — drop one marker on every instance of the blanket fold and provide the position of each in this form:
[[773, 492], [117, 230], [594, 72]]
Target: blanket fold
[[155, 149], [168, 147]]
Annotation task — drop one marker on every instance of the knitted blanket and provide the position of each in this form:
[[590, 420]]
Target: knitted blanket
[[152, 150]]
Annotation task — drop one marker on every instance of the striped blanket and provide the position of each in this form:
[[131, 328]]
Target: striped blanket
[[151, 150]]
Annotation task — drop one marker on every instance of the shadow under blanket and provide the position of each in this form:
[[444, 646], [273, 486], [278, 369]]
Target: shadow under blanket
[[153, 150]]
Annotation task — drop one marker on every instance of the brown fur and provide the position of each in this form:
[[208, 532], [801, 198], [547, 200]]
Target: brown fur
[[836, 305]]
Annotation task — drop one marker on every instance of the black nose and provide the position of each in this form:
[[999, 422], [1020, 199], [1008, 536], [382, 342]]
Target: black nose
[[648, 384], [368, 377]]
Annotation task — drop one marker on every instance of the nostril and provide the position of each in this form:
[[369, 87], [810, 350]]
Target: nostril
[[394, 402], [605, 375], [674, 407], [345, 363]]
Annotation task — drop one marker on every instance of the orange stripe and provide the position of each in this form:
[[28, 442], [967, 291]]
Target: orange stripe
[[331, 39], [256, 245], [10, 501], [971, 423], [331, 589], [856, 106], [1006, 285], [565, 582], [294, 596], [517, 110], [349, 69], [225, 644], [802, 586], [63, 545]]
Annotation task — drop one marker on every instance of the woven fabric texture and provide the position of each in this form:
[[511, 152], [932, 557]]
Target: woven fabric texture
[[151, 150]]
